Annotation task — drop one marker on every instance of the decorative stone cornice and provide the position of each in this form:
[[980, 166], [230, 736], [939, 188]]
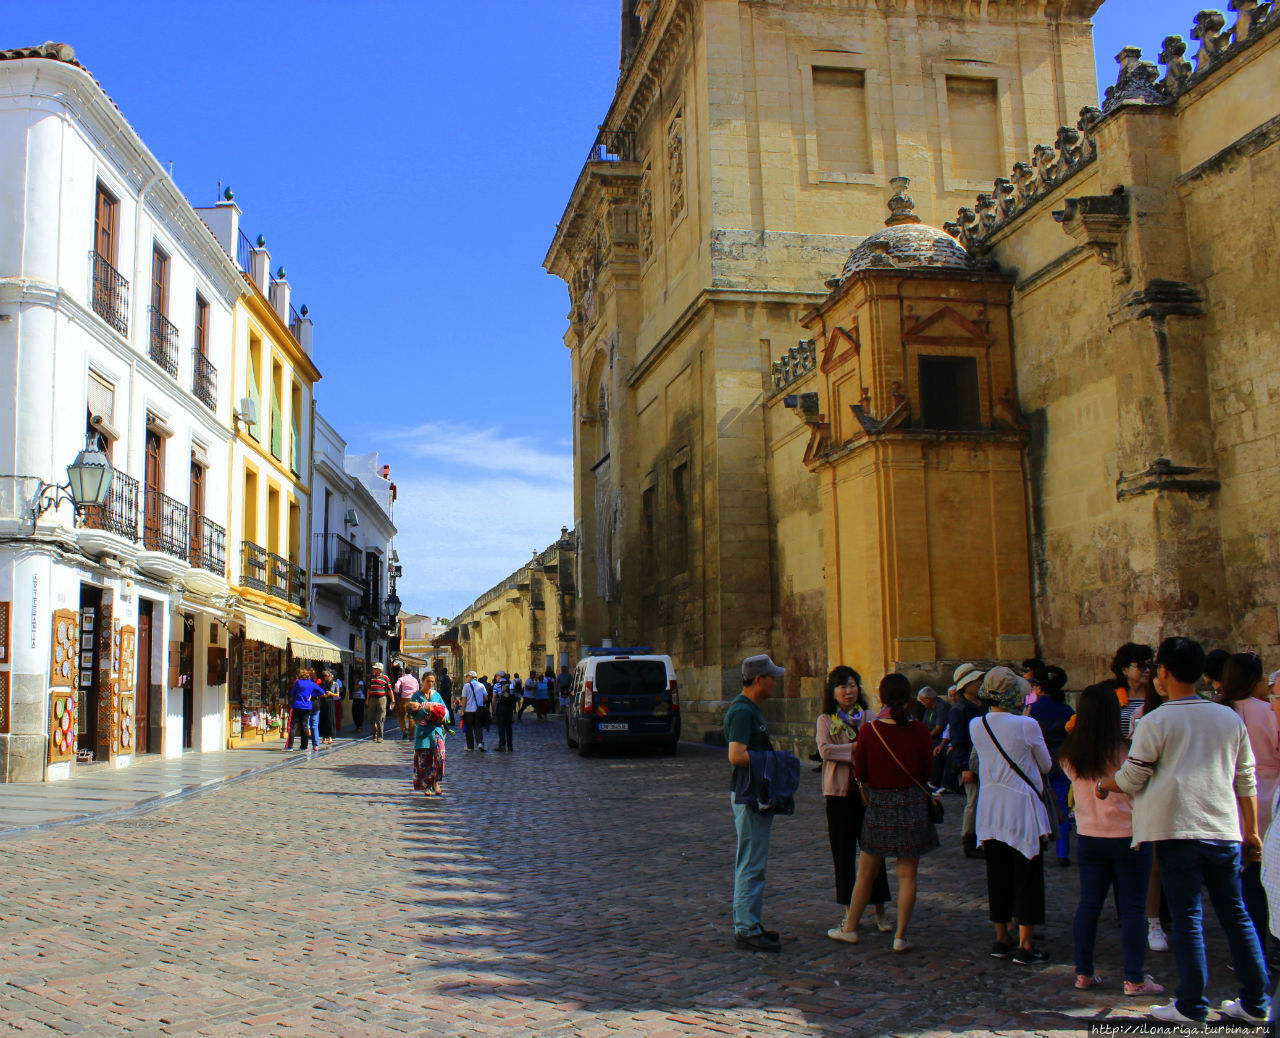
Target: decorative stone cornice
[[1163, 476], [1099, 222]]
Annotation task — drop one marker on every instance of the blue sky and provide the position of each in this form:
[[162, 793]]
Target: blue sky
[[408, 162]]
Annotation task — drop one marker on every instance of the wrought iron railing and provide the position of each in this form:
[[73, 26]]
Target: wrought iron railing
[[295, 322], [110, 294], [613, 146], [208, 545], [204, 380], [333, 553], [164, 341], [244, 252], [119, 513], [164, 525], [253, 565], [286, 579]]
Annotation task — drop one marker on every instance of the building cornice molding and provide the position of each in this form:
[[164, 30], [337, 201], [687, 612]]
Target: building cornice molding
[[261, 310], [72, 93]]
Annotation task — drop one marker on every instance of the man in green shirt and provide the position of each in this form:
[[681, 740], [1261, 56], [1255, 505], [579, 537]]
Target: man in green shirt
[[745, 730]]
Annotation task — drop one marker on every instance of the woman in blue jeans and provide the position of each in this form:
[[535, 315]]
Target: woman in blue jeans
[[1094, 749]]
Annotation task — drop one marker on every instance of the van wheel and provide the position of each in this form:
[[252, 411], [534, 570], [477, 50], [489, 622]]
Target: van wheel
[[669, 748], [570, 741], [585, 749]]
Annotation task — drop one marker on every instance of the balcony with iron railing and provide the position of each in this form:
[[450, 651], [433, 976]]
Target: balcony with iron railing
[[613, 146], [244, 252], [119, 513], [110, 294], [164, 525], [267, 571], [337, 563], [295, 322], [208, 545], [164, 341], [204, 380]]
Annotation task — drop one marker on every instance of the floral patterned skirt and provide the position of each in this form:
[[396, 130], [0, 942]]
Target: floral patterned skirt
[[428, 765]]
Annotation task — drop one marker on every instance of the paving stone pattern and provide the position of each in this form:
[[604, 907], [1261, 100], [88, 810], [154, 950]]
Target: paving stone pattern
[[545, 895]]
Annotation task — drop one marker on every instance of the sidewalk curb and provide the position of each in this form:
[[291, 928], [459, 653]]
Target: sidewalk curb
[[178, 795]]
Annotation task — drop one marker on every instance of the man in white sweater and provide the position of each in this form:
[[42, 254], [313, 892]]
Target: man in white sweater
[[1190, 773]]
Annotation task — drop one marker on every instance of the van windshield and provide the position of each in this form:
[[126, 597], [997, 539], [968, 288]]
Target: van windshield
[[630, 677]]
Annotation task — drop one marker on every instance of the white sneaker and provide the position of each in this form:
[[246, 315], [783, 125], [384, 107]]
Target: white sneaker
[[839, 933], [1236, 1011], [1156, 939], [1170, 1015]]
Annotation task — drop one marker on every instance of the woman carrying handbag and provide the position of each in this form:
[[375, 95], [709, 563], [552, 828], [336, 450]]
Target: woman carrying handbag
[[893, 758], [1013, 823]]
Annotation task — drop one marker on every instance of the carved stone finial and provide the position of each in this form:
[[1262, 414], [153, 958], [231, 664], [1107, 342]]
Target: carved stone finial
[[1251, 14], [1213, 41], [901, 205], [953, 229], [968, 221], [1045, 160], [986, 209], [1024, 180], [1006, 197], [1089, 119], [1177, 69], [1136, 83], [1069, 146]]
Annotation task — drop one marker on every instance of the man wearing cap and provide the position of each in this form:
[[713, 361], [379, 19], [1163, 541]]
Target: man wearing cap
[[474, 696], [745, 730], [377, 692], [935, 711], [968, 679]]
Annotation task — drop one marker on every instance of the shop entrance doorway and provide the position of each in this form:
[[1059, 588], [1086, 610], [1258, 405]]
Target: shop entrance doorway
[[142, 692], [187, 667]]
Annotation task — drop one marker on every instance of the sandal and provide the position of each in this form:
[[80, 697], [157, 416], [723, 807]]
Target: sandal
[[1148, 986], [1084, 982]]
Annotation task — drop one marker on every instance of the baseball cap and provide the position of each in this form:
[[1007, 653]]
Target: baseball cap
[[472, 674], [377, 665], [760, 667]]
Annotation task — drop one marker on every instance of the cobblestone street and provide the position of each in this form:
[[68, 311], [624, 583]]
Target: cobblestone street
[[546, 894]]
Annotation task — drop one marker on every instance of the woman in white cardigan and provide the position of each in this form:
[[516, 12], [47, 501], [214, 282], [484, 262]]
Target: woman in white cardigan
[[1011, 816]]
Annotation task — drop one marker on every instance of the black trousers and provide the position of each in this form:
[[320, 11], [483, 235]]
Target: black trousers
[[475, 734], [302, 725], [357, 713], [505, 729], [844, 829], [1015, 886]]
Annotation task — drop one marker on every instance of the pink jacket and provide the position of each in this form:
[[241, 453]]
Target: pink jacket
[[836, 752], [1264, 738]]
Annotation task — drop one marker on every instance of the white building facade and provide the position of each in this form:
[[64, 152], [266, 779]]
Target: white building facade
[[116, 321]]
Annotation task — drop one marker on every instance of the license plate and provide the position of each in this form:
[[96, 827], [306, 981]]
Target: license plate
[[613, 726]]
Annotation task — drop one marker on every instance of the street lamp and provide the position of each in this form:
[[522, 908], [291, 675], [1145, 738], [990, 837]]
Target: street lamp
[[393, 607], [88, 482]]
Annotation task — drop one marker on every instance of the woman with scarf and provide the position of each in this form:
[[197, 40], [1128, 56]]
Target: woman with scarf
[[843, 710], [430, 715]]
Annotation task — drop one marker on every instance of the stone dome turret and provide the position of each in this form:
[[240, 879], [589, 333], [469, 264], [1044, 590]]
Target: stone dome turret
[[906, 243]]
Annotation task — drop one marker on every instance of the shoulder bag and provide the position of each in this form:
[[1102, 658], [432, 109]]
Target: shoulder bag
[[936, 810], [1044, 791]]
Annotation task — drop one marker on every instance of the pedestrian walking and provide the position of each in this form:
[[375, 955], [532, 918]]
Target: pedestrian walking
[[537, 690], [968, 680], [357, 704], [893, 759], [935, 714], [506, 697], [844, 707], [302, 693], [1244, 690], [340, 688], [1052, 713], [429, 712], [1013, 762], [327, 716], [1190, 772], [1107, 856], [406, 688], [378, 692], [746, 732], [563, 682], [474, 699]]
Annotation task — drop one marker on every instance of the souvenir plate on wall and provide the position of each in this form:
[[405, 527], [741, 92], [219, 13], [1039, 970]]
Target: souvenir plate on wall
[[63, 667], [125, 728], [4, 631], [128, 650], [62, 726]]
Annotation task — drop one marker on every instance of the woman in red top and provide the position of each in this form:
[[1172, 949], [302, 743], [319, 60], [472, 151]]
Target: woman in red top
[[893, 758]]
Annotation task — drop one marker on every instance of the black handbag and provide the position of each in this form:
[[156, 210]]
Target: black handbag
[[936, 811]]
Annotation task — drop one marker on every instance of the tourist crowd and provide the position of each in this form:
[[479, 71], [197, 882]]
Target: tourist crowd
[[1167, 772]]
